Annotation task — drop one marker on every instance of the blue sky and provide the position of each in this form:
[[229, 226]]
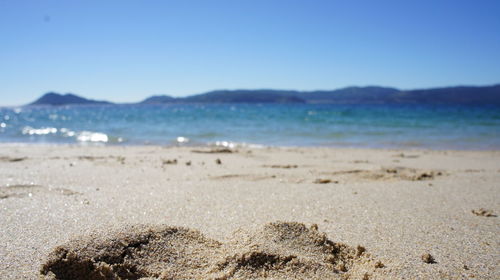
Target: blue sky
[[127, 50]]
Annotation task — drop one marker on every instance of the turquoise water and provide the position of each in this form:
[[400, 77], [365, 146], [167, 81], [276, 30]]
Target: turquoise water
[[435, 127]]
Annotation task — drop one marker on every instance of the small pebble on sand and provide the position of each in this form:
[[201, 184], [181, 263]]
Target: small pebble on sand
[[428, 258]]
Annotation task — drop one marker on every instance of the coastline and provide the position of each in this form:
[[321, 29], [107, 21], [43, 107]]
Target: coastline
[[251, 146], [397, 203]]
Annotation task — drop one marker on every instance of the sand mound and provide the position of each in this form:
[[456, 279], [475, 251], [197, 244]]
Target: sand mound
[[291, 251], [133, 253], [277, 250]]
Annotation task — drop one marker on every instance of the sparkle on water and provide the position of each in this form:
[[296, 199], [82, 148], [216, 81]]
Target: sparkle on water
[[230, 125]]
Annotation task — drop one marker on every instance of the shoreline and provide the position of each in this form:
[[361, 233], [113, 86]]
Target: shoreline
[[399, 204], [236, 146]]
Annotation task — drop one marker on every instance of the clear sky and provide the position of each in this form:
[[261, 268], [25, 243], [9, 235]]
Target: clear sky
[[127, 50]]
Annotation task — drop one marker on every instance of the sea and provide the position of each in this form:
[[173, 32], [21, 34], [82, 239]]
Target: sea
[[257, 125]]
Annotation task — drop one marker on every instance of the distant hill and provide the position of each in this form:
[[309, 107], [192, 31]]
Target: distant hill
[[244, 96], [382, 95], [346, 95], [350, 95], [158, 99], [452, 95], [56, 99], [228, 96]]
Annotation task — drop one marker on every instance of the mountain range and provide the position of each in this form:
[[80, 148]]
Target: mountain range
[[56, 99], [479, 95]]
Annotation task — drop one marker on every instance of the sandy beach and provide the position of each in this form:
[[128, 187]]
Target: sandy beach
[[70, 212]]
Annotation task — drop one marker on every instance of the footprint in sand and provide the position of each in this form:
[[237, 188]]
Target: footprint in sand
[[91, 158], [30, 190], [12, 159], [215, 151], [281, 250], [169, 161], [483, 212], [402, 155], [284, 166], [393, 173], [248, 177], [100, 160], [325, 181], [360, 161]]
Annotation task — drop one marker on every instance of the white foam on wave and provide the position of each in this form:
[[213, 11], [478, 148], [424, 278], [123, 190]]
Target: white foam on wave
[[232, 145], [226, 144], [182, 140], [28, 130], [66, 132], [89, 136]]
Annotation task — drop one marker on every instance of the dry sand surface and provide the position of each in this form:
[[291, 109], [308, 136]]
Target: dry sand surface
[[73, 212]]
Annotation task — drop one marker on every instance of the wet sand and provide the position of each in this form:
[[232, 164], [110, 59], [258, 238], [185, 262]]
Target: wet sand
[[282, 213]]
